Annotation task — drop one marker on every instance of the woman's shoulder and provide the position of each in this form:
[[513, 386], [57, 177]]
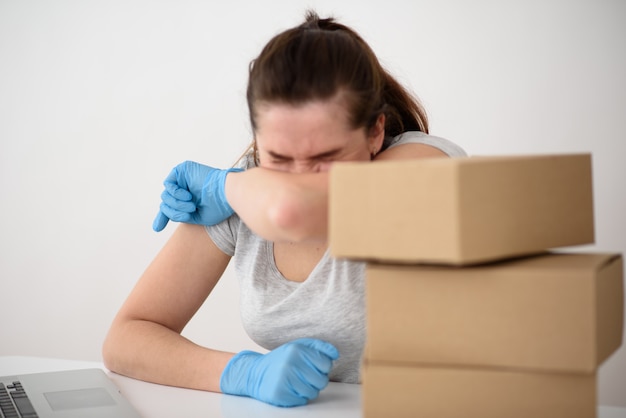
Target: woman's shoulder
[[417, 137], [246, 161]]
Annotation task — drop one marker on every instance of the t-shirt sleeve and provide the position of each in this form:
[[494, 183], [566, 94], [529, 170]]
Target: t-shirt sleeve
[[416, 137], [224, 234]]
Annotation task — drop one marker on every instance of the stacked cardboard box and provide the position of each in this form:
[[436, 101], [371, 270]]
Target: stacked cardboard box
[[468, 314]]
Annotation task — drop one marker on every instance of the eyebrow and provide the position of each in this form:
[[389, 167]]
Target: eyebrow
[[324, 154]]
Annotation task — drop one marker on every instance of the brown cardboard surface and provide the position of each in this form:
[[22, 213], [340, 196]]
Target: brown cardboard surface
[[391, 391], [460, 210], [558, 312]]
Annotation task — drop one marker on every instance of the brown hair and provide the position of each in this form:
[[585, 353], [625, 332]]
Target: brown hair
[[321, 58]]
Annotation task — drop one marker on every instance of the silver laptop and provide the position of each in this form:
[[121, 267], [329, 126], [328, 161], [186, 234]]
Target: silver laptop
[[67, 394]]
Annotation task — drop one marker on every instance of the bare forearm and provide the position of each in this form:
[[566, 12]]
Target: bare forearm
[[148, 351], [281, 206]]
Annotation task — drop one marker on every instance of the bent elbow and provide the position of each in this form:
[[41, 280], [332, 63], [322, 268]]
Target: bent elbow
[[113, 349], [284, 217], [296, 219], [109, 353]]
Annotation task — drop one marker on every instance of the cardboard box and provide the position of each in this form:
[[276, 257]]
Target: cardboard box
[[459, 210], [556, 312], [391, 391]]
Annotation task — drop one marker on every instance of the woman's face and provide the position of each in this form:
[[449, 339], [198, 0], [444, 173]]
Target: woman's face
[[309, 137]]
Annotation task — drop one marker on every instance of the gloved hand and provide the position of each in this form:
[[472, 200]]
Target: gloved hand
[[289, 375], [194, 193]]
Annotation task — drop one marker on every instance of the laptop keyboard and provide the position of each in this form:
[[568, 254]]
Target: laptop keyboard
[[22, 409]]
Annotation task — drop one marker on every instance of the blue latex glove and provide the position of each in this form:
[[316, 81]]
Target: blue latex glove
[[194, 193], [289, 375]]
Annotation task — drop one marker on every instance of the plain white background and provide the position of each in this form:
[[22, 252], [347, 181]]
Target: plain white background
[[100, 99]]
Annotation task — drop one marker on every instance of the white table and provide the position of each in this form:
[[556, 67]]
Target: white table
[[338, 400]]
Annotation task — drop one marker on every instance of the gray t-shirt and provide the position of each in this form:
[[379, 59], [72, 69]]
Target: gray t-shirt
[[329, 304]]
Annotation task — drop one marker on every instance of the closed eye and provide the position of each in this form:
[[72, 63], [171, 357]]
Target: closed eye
[[325, 156], [278, 158]]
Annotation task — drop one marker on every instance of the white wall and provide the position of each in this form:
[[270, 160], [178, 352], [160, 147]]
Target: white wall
[[99, 99]]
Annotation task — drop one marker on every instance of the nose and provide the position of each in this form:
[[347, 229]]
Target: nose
[[305, 167]]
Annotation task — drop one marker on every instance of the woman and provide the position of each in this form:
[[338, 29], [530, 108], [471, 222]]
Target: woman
[[316, 95]]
